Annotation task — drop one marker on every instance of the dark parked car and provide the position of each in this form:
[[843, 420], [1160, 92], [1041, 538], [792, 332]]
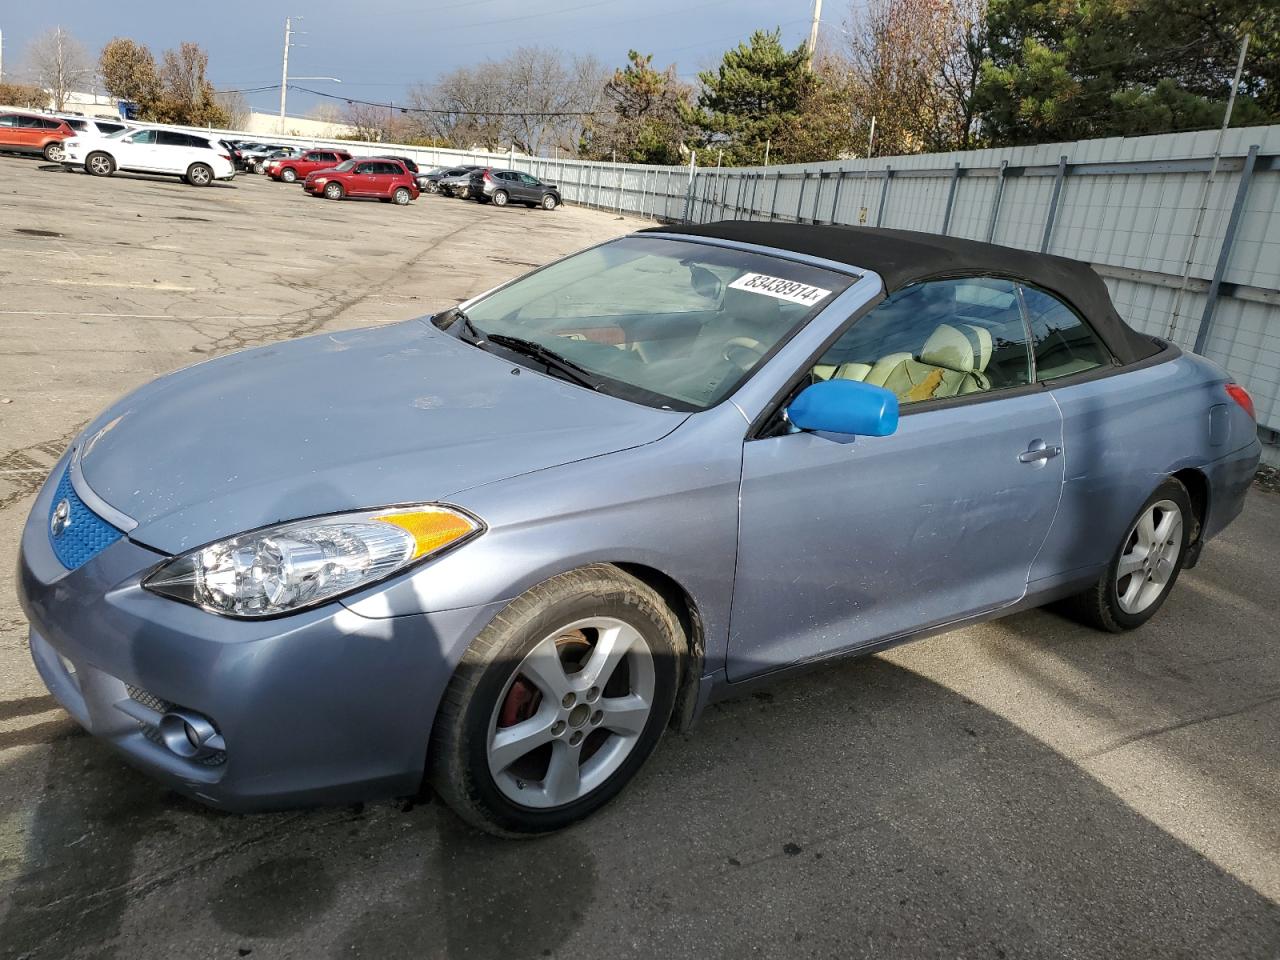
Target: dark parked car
[[434, 176], [456, 182], [513, 186]]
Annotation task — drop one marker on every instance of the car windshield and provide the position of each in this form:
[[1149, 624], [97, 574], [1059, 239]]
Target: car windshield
[[345, 165], [669, 323]]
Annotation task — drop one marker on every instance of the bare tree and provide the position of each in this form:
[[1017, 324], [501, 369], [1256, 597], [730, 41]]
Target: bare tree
[[59, 63], [534, 100], [913, 66], [236, 108]]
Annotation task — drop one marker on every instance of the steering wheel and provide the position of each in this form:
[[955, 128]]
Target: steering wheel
[[736, 346]]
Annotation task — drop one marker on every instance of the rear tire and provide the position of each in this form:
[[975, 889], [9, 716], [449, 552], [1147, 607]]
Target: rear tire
[[402, 196], [1144, 567], [500, 198], [53, 152], [289, 175], [100, 164], [592, 716], [199, 175]]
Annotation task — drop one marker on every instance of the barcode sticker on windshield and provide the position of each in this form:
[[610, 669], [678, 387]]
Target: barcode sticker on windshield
[[780, 288]]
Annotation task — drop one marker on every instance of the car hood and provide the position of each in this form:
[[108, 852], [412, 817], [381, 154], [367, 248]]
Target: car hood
[[396, 414]]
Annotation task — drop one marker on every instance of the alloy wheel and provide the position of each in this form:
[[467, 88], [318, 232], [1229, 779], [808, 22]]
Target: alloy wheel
[[100, 164], [571, 712], [1150, 556]]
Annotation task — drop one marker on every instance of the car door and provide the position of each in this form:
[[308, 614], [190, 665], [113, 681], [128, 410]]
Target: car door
[[28, 132], [137, 151], [530, 188], [9, 130], [363, 183], [846, 542], [1114, 430]]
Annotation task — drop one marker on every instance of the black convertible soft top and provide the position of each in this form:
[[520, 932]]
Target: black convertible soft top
[[902, 257]]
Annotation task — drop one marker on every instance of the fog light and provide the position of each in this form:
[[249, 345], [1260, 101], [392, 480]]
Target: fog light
[[190, 735]]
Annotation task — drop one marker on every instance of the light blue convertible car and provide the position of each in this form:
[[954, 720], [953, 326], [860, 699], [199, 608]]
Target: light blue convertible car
[[502, 549]]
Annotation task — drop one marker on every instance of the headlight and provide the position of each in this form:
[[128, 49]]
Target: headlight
[[297, 565], [320, 181]]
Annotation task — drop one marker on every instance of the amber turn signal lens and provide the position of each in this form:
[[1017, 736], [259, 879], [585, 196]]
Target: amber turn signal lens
[[431, 529]]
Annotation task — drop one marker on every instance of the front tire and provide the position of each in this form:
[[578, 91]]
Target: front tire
[[557, 703], [334, 191], [1143, 568], [100, 164], [199, 175], [550, 202]]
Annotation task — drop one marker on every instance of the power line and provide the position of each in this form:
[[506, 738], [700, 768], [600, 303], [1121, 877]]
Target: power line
[[431, 110]]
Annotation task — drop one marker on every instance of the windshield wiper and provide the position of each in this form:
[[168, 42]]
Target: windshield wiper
[[548, 357], [468, 331]]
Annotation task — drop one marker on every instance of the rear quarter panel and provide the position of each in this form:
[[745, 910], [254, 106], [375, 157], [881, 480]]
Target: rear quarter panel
[[1122, 435]]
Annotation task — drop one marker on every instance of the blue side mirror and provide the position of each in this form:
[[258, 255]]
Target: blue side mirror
[[845, 406]]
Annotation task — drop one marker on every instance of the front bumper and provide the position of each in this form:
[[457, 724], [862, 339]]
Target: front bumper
[[324, 706]]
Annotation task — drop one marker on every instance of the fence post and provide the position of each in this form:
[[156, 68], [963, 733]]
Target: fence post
[[1053, 203], [995, 203], [835, 195], [884, 194], [688, 192], [1224, 252], [773, 201], [951, 198], [804, 180], [817, 195]]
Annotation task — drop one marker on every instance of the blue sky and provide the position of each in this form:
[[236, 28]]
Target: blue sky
[[380, 47]]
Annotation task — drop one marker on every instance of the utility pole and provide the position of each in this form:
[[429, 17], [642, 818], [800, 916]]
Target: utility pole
[[1, 54], [813, 30], [284, 70], [1204, 193]]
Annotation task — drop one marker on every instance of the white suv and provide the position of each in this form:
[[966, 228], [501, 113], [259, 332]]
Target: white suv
[[92, 126], [196, 159]]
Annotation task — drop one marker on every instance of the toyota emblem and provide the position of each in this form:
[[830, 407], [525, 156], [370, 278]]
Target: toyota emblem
[[61, 518]]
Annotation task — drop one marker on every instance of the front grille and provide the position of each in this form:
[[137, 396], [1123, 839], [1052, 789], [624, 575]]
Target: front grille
[[138, 695], [84, 534]]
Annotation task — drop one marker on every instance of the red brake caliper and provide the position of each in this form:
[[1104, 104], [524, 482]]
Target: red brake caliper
[[521, 703]]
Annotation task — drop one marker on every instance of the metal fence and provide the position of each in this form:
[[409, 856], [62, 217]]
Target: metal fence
[[1129, 206]]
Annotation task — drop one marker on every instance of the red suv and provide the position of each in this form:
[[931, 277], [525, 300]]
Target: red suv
[[388, 180], [291, 169], [28, 133]]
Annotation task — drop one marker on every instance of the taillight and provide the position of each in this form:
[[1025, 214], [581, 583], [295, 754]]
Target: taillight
[[225, 157], [488, 177], [1241, 396]]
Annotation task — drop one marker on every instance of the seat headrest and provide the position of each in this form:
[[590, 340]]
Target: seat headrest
[[962, 347]]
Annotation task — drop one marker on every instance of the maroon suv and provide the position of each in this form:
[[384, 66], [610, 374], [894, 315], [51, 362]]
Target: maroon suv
[[292, 169], [386, 179]]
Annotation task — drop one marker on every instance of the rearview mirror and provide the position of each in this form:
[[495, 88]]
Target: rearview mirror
[[705, 283], [845, 406]]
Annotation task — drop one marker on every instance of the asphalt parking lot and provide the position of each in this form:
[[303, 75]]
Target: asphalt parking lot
[[1026, 788]]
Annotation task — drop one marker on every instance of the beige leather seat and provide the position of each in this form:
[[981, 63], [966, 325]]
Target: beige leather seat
[[952, 362], [845, 371]]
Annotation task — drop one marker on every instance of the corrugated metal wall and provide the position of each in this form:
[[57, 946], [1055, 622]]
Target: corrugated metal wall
[[1127, 205]]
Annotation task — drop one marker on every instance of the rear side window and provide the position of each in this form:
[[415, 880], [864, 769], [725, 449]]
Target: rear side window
[[1063, 343], [76, 124], [167, 138], [391, 168], [110, 127]]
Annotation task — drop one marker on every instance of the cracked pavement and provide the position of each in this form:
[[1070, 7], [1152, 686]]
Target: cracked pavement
[[1025, 788]]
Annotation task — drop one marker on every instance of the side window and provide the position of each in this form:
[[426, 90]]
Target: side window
[[24, 121], [8, 120], [144, 136], [938, 339], [168, 138], [364, 168], [1063, 343], [110, 127], [531, 181], [394, 168]]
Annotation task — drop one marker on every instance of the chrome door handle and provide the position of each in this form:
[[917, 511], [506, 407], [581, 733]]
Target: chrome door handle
[[1039, 452]]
